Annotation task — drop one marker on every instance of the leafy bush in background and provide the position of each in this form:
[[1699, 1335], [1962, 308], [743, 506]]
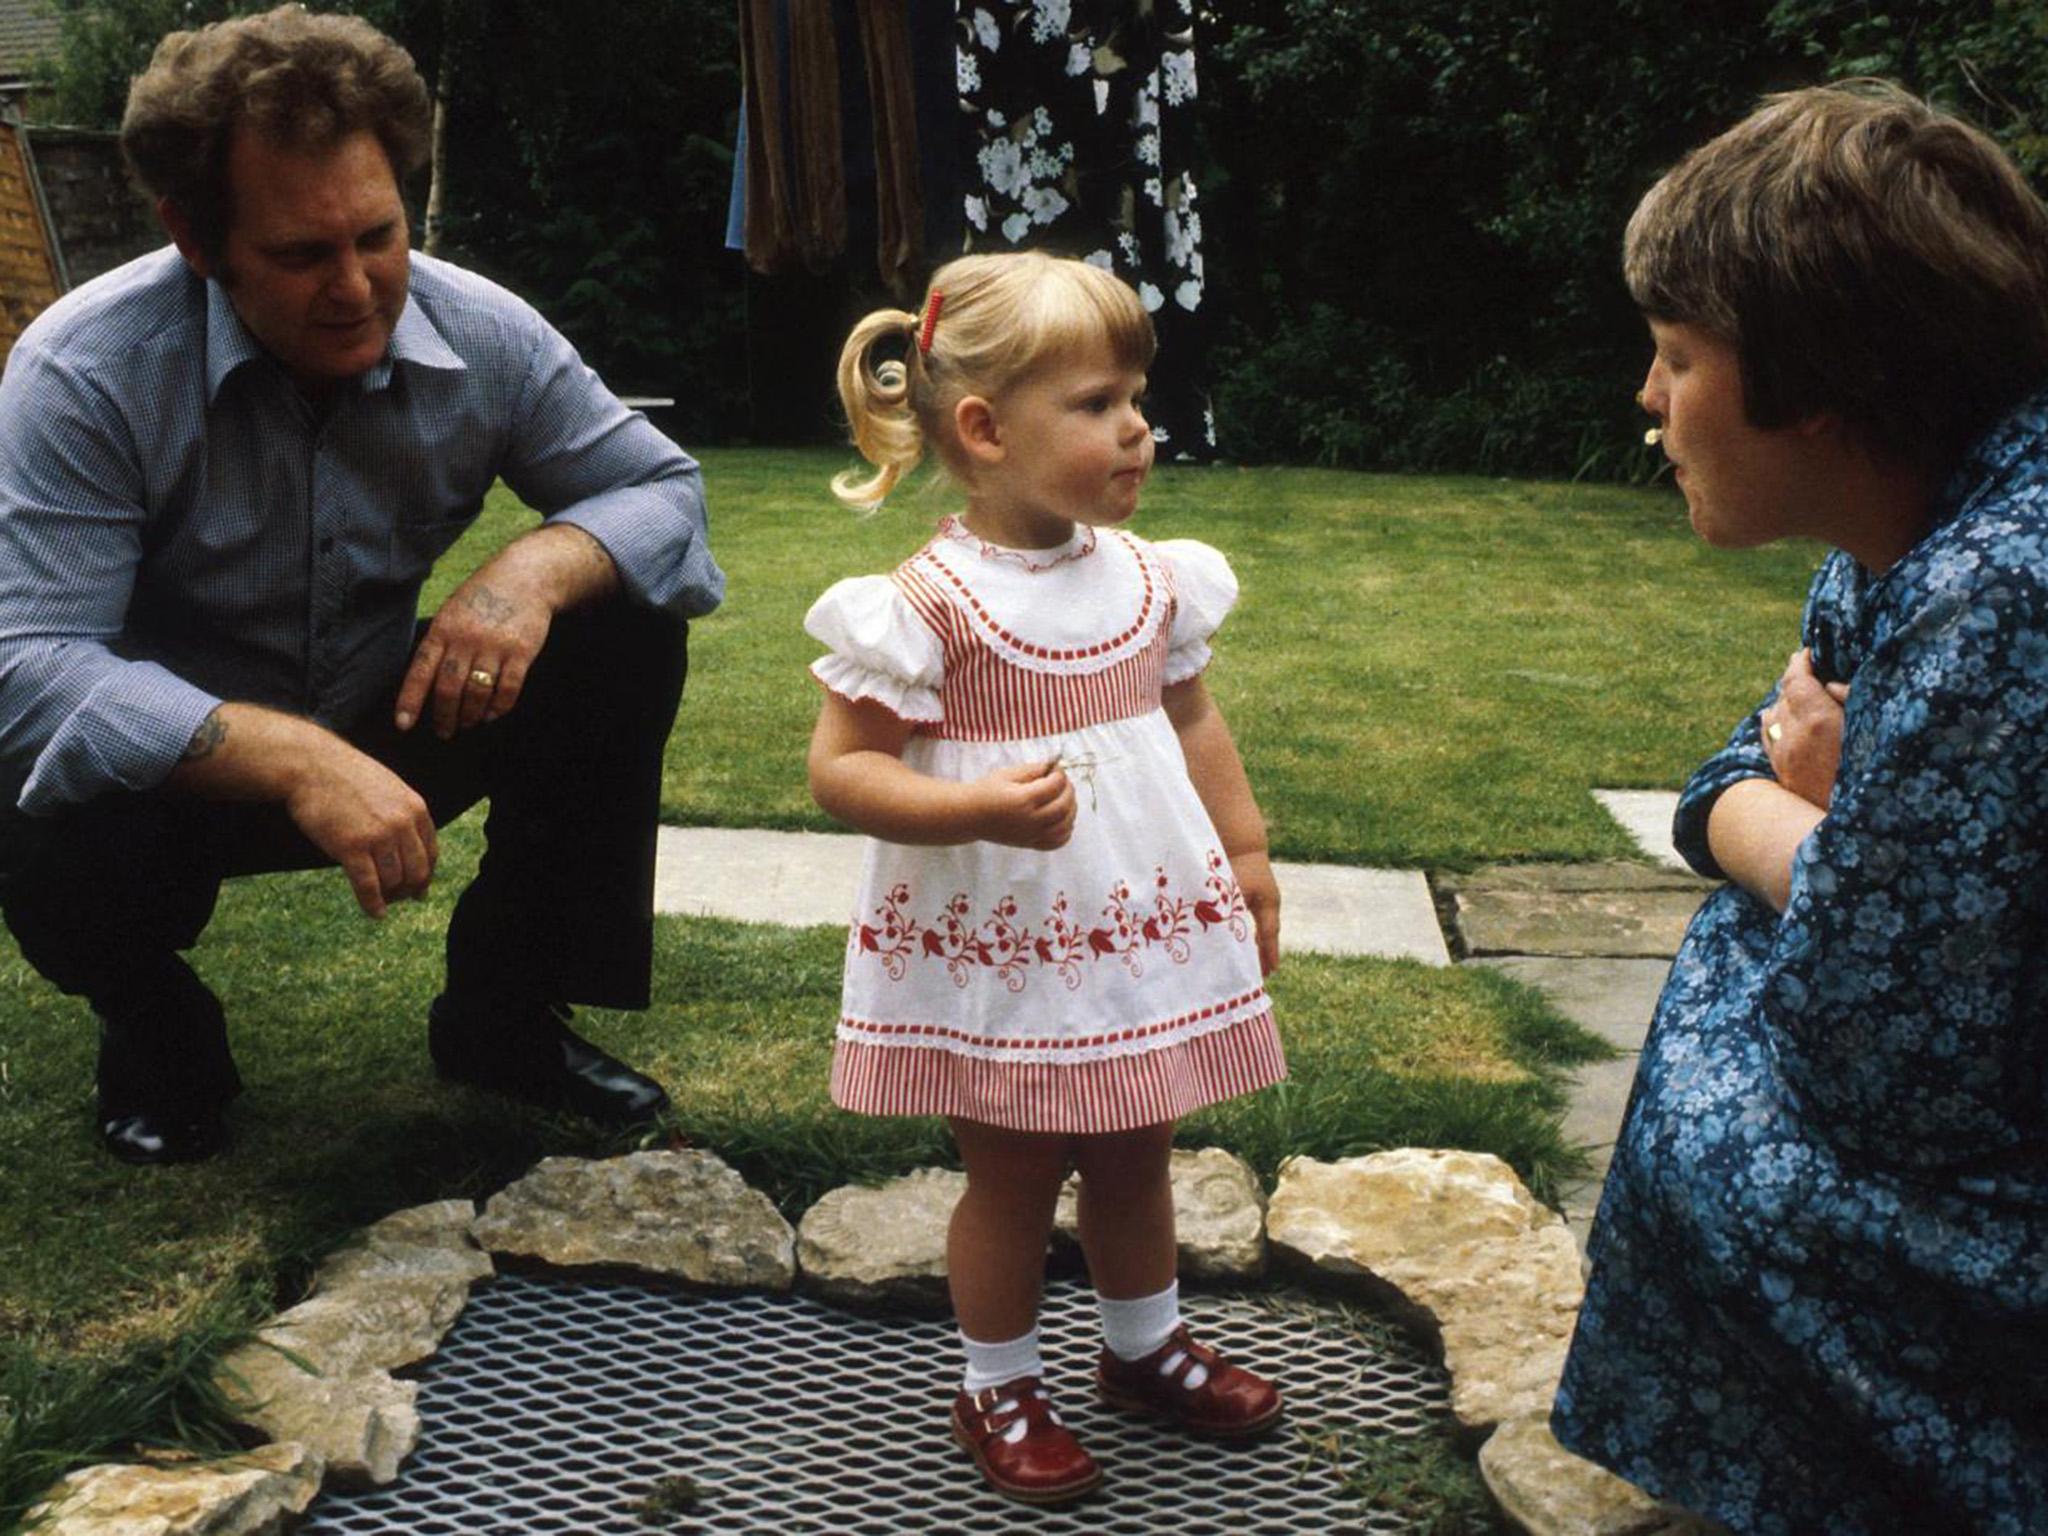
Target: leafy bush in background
[[1416, 206]]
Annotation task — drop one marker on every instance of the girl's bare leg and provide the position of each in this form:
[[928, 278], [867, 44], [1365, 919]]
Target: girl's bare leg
[[1127, 1210], [995, 1247]]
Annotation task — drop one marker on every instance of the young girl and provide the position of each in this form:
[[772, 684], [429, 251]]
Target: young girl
[[1067, 911]]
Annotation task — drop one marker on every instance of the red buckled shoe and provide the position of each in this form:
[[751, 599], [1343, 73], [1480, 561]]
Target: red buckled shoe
[[1229, 1403], [1043, 1465]]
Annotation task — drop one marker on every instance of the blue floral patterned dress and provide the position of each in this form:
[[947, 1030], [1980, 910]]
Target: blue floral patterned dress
[[1819, 1291]]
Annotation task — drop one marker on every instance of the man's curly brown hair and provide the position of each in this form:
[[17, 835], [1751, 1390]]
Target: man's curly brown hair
[[299, 80]]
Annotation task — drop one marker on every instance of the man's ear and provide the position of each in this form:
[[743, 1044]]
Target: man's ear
[[979, 433], [179, 227]]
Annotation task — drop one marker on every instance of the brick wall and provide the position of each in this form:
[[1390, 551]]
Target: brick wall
[[101, 219]]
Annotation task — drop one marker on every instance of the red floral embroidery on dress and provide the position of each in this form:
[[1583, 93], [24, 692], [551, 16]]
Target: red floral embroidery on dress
[[892, 939], [1226, 900], [1062, 944], [1123, 935], [998, 942]]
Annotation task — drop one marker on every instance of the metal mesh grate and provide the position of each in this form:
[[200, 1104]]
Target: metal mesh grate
[[557, 1405]]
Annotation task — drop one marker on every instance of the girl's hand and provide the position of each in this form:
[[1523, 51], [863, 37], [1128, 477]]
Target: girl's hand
[[1254, 872], [1802, 731], [1030, 805]]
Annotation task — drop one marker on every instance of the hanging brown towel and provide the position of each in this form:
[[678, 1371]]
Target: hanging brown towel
[[796, 179], [899, 196], [771, 243]]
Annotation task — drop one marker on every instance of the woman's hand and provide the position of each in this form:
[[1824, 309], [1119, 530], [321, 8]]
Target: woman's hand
[[1254, 872], [1802, 731], [1029, 805]]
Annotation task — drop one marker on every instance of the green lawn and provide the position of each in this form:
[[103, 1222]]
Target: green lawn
[[1423, 672]]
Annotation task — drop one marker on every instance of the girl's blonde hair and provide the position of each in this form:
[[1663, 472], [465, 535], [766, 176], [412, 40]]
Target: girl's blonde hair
[[1000, 318]]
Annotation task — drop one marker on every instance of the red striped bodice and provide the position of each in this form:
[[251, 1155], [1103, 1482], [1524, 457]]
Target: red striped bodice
[[1000, 684]]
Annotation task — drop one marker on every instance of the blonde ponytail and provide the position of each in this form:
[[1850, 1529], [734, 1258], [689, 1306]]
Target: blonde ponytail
[[1002, 316], [879, 410]]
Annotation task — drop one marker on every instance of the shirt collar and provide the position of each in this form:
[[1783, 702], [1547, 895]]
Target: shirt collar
[[228, 343], [2017, 438], [415, 339]]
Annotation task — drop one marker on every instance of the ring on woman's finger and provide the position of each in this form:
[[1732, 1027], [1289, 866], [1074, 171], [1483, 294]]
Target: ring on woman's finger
[[1775, 731], [480, 678]]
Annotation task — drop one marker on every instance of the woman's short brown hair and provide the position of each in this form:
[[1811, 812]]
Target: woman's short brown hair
[[1867, 255], [299, 80]]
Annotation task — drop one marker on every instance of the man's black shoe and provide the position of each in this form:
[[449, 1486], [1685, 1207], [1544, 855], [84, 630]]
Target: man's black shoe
[[165, 1136], [165, 1075], [531, 1053]]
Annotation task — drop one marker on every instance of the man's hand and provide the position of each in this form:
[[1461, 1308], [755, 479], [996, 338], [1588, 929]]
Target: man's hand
[[349, 806], [370, 822], [472, 663], [1254, 872], [1802, 731], [1030, 805]]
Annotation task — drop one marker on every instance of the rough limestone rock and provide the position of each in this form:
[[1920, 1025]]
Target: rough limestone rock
[[1219, 1215], [1455, 1239], [258, 1493], [883, 1246], [320, 1373], [1547, 1491], [685, 1215]]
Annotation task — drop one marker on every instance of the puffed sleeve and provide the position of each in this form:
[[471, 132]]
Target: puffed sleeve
[[1205, 590], [882, 652]]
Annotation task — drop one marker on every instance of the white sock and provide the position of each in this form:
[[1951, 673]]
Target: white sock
[[1133, 1329], [990, 1365]]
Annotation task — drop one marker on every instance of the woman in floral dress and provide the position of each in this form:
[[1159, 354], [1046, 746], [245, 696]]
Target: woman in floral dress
[[1819, 1289]]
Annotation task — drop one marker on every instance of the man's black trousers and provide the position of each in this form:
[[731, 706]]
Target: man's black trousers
[[103, 896]]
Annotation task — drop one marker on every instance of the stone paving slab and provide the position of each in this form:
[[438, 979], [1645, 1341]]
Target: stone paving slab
[[807, 878], [1614, 999], [798, 878], [1645, 815], [1604, 875], [1331, 909], [1617, 910]]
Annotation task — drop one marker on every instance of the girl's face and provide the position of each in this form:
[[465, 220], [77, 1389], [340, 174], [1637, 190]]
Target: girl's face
[[1075, 448]]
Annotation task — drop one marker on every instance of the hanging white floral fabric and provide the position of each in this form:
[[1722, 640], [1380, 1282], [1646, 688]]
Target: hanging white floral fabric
[[1079, 116]]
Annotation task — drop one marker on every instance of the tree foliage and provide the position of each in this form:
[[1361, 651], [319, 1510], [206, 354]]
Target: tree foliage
[[1424, 199]]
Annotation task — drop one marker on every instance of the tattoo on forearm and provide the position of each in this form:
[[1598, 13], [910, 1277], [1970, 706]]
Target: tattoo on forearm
[[207, 739], [487, 604]]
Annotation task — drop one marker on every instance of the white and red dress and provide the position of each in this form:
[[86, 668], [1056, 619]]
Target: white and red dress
[[1108, 984]]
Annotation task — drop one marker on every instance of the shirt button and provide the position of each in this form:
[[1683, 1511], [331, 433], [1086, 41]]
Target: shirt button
[[327, 545]]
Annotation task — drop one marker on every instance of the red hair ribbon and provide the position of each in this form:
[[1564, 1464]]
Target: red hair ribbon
[[931, 318]]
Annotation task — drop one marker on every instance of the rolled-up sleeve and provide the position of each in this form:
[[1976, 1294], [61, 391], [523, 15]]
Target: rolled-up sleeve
[[76, 718], [580, 457], [1742, 758]]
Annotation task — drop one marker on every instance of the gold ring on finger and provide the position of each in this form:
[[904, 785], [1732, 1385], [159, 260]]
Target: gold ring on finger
[[479, 678], [1775, 731]]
